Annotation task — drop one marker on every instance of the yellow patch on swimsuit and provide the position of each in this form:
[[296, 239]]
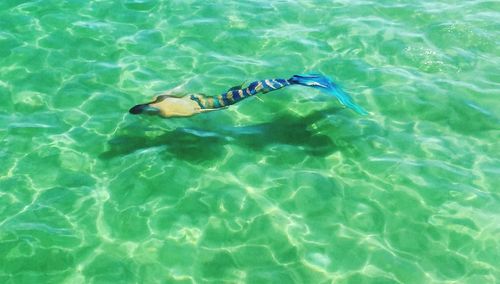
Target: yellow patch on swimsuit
[[258, 87], [229, 96]]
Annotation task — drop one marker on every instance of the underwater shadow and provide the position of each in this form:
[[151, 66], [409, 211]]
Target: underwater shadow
[[198, 145]]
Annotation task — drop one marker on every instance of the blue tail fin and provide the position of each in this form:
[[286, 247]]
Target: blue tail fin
[[325, 84]]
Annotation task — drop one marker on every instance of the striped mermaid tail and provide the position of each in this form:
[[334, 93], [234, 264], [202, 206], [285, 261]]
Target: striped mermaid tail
[[237, 94]]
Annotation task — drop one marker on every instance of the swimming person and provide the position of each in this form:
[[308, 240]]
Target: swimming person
[[167, 105]]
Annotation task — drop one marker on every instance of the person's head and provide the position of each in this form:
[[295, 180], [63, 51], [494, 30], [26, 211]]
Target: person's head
[[168, 106], [148, 108], [144, 109]]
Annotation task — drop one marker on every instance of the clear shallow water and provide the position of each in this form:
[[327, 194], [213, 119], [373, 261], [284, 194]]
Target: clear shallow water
[[288, 189]]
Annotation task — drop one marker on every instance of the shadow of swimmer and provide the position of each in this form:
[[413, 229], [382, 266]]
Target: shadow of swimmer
[[196, 144]]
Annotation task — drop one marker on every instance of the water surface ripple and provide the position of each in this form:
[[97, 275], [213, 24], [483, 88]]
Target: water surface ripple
[[287, 189]]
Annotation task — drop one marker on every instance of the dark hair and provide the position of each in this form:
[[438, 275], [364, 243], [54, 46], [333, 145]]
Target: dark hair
[[138, 109]]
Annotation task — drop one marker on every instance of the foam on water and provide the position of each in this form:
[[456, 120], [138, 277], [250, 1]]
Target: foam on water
[[287, 189]]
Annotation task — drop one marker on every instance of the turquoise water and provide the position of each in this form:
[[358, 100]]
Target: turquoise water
[[287, 188]]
